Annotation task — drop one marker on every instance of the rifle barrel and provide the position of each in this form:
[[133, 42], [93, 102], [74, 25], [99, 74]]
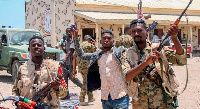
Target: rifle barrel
[[176, 23], [184, 11]]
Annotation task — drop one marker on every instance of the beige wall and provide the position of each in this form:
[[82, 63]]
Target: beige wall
[[38, 16]]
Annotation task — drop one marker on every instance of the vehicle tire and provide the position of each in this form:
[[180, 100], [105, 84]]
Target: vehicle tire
[[15, 67]]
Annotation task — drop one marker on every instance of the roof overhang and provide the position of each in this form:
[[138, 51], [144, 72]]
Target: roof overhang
[[125, 18]]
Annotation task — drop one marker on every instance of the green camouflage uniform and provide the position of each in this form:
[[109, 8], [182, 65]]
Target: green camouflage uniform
[[125, 40], [83, 69], [149, 91], [25, 85]]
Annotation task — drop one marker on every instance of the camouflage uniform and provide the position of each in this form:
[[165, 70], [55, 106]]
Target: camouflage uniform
[[83, 69], [125, 40], [26, 86], [149, 91]]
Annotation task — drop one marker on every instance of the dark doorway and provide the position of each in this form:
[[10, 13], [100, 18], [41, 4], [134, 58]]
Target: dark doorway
[[89, 31], [199, 36], [158, 32]]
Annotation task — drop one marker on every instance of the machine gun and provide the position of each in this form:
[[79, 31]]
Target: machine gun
[[45, 91]]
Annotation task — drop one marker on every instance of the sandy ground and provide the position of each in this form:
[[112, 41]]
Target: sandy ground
[[190, 99]]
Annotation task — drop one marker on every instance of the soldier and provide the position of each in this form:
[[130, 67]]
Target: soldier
[[143, 57], [126, 40], [37, 72], [68, 48], [88, 47]]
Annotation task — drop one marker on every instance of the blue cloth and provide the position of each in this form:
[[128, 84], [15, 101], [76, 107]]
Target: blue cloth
[[121, 103]]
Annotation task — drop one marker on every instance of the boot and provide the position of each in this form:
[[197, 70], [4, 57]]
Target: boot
[[90, 97], [83, 104]]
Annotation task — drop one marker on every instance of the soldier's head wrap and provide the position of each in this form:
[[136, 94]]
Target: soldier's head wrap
[[135, 21]]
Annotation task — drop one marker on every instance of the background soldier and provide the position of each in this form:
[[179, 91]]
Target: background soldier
[[68, 49], [126, 40], [141, 57], [88, 46], [37, 72]]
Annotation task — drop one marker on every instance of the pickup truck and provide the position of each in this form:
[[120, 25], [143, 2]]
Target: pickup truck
[[14, 49]]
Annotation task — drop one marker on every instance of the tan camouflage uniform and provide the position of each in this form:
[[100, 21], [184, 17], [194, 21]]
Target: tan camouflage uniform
[[149, 93], [83, 69], [125, 40], [24, 84]]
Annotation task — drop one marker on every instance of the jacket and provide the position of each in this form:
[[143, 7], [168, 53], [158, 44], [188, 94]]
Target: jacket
[[93, 77]]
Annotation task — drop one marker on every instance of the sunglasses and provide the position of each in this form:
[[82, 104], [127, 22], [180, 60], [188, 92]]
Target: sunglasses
[[137, 21], [106, 31]]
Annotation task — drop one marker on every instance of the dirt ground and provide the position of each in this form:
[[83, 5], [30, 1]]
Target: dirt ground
[[189, 99]]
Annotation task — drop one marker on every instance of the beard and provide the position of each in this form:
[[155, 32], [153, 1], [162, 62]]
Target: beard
[[138, 40], [107, 48]]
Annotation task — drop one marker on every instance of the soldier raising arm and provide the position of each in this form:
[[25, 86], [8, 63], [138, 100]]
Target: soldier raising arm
[[142, 57]]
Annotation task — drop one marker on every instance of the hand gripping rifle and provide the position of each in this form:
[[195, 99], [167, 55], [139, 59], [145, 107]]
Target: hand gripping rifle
[[45, 91], [176, 23]]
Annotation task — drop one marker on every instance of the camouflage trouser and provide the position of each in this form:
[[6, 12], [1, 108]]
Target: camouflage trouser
[[145, 101], [83, 92]]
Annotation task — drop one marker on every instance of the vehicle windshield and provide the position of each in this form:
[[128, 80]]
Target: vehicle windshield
[[21, 37]]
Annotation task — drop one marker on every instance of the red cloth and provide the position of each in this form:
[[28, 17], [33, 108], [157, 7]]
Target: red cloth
[[60, 73]]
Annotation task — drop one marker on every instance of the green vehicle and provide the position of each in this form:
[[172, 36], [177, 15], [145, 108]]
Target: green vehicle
[[14, 49]]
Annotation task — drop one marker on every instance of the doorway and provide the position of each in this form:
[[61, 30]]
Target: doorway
[[89, 31]]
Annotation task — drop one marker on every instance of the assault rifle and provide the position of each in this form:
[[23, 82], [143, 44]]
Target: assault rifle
[[160, 48], [45, 91], [176, 23], [24, 103], [166, 39], [152, 26]]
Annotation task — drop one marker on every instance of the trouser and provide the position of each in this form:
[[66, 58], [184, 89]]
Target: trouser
[[69, 75], [84, 87], [121, 103], [152, 100]]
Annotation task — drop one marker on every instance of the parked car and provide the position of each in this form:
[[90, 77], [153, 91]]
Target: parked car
[[189, 48], [14, 49]]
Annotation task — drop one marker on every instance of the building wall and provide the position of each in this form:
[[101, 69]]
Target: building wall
[[39, 16], [115, 29], [36, 19]]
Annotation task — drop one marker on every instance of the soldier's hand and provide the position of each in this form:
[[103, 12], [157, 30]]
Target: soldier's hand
[[152, 57], [61, 45], [75, 31], [74, 72], [173, 30], [56, 83]]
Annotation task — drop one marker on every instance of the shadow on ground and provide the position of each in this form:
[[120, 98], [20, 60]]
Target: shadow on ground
[[6, 79]]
